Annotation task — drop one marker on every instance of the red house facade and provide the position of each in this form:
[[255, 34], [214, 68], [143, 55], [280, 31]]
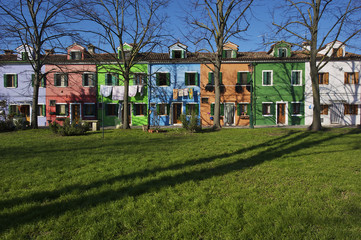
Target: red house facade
[[71, 91]]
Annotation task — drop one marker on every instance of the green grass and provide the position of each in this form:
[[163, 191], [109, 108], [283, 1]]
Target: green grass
[[231, 184]]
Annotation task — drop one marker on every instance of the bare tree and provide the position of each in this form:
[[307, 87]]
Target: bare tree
[[309, 17], [136, 22], [215, 22], [36, 24]]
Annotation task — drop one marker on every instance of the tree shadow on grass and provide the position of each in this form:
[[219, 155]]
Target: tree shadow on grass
[[268, 151]]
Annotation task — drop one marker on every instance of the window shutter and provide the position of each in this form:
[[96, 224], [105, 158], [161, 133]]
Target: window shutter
[[196, 79], [238, 109], [106, 109], [273, 108], [345, 78], [44, 110], [196, 109], [16, 80], [187, 109], [210, 77], [234, 54], [248, 109], [220, 78], [116, 109], [168, 79], [302, 108], [172, 54], [186, 79], [145, 109], [224, 54], [66, 80], [57, 109], [238, 77], [83, 78], [157, 109], [357, 77], [249, 78], [222, 110], [66, 110], [168, 109], [42, 81], [212, 109], [93, 106], [157, 79], [5, 82], [182, 54], [326, 76], [134, 109]]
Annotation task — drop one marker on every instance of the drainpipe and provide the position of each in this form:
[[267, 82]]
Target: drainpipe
[[251, 68]]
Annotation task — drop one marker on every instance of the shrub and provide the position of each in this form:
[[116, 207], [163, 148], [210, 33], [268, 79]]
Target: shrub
[[191, 123], [6, 125], [70, 129]]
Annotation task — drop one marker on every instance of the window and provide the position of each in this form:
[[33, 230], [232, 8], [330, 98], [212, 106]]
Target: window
[[227, 54], [177, 54], [60, 80], [337, 52], [14, 109], [139, 78], [24, 56], [296, 78], [42, 81], [88, 79], [350, 109], [296, 108], [243, 109], [163, 79], [211, 78], [52, 103], [162, 109], [282, 52], [205, 100], [89, 109], [191, 79], [191, 109], [243, 78], [323, 78], [62, 109], [111, 79], [139, 109], [10, 80], [267, 78], [111, 109], [351, 77], [221, 110], [266, 109], [41, 110], [75, 55], [324, 109]]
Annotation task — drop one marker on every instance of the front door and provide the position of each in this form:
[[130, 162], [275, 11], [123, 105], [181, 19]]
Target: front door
[[281, 113], [228, 114], [177, 111], [25, 109], [336, 112], [129, 114], [75, 112]]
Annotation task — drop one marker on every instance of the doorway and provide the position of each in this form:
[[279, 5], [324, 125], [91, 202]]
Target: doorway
[[281, 113], [75, 112], [228, 114], [177, 111], [336, 112]]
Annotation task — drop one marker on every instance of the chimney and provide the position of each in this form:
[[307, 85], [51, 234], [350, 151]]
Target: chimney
[[8, 52], [49, 51], [91, 48], [306, 46]]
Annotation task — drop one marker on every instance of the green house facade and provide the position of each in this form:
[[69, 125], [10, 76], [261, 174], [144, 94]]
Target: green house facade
[[109, 109]]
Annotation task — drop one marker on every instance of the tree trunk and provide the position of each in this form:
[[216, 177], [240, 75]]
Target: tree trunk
[[217, 92], [34, 105], [126, 101]]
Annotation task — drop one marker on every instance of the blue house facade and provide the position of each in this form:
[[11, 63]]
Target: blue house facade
[[16, 86], [173, 87]]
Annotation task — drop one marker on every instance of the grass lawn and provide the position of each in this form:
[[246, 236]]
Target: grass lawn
[[231, 184]]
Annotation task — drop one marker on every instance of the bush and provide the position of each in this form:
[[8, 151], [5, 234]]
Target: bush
[[70, 129], [191, 123], [6, 125]]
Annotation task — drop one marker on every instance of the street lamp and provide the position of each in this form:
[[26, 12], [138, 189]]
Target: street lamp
[[251, 69]]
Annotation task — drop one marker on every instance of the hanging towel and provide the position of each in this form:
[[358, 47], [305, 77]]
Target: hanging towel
[[180, 92], [106, 91], [133, 91], [175, 94], [140, 89], [118, 93], [185, 92], [190, 91]]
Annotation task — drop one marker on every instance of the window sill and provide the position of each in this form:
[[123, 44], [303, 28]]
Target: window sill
[[267, 115], [296, 85], [296, 115], [244, 117], [10, 87], [61, 86], [267, 85], [89, 115], [89, 86]]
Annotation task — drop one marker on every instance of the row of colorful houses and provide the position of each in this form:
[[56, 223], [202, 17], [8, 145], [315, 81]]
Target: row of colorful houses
[[274, 85]]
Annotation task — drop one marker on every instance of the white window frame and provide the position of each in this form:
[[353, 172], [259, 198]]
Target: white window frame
[[300, 71], [296, 115], [166, 109], [271, 71], [267, 115], [94, 109]]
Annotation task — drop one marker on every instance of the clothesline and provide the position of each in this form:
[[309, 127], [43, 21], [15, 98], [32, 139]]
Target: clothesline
[[117, 92]]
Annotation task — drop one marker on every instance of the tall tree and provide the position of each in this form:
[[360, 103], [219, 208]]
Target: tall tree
[[321, 21], [215, 22], [136, 22], [39, 25]]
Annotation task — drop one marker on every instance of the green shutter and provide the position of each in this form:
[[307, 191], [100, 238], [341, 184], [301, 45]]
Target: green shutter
[[196, 79], [234, 54], [238, 109], [66, 110], [172, 54], [168, 79], [302, 108], [183, 53], [223, 53], [157, 79], [116, 109], [212, 109], [222, 110], [238, 77], [5, 82], [66, 80], [273, 108], [210, 77], [83, 79], [220, 78], [145, 110], [197, 109], [16, 80], [42, 81], [187, 109], [134, 110], [44, 110], [157, 109], [186, 79], [248, 109], [105, 108], [249, 78]]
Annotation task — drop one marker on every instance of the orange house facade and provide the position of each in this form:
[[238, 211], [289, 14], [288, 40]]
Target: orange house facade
[[71, 91], [235, 94]]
